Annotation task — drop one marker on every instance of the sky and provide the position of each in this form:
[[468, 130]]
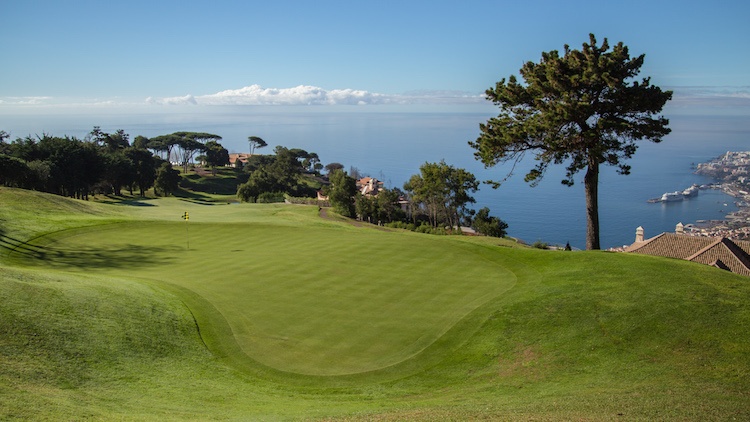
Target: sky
[[156, 54]]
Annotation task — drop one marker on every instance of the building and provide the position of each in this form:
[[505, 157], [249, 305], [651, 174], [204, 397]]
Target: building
[[369, 186], [720, 252], [238, 157]]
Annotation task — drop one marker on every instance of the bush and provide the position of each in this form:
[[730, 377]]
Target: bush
[[540, 245], [426, 228], [307, 201], [270, 197], [401, 225], [488, 225]]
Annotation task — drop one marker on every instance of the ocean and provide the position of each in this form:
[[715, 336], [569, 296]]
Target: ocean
[[391, 145]]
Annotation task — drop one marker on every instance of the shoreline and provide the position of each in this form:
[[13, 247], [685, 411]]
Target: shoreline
[[731, 175], [735, 225]]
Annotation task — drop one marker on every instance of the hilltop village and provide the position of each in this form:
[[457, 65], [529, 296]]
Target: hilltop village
[[731, 171]]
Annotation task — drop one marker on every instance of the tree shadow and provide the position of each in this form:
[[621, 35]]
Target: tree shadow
[[194, 197], [133, 202], [90, 258]]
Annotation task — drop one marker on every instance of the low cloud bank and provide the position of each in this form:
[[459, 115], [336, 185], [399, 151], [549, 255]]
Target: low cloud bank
[[719, 99], [313, 95], [711, 96]]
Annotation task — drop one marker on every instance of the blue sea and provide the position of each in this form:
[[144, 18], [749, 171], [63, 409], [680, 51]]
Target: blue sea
[[391, 145]]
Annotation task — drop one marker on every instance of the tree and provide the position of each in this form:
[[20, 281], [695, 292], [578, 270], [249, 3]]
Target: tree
[[187, 143], [578, 109], [488, 225], [332, 167], [460, 184], [3, 146], [442, 192], [144, 167], [119, 171], [162, 145], [286, 170], [140, 142], [110, 142], [355, 173], [255, 142], [365, 207], [188, 147], [75, 165], [312, 162], [274, 174], [341, 195], [13, 171], [387, 205], [167, 179], [216, 155]]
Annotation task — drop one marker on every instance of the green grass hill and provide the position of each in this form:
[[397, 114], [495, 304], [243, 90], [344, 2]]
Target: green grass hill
[[122, 310]]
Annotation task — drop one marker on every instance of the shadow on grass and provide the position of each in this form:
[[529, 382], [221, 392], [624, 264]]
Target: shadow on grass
[[198, 198], [186, 194], [133, 202], [122, 256]]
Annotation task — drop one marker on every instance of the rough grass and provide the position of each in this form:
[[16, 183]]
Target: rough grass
[[274, 313]]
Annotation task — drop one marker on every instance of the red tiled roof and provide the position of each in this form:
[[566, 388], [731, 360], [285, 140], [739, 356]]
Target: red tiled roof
[[671, 245], [719, 252], [727, 253]]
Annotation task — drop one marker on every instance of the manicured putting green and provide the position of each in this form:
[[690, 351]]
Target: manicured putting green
[[307, 299]]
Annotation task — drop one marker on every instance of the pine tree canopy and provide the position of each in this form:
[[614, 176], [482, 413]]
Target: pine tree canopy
[[581, 109]]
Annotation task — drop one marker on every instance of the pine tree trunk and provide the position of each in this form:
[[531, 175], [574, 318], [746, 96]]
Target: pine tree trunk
[[591, 184]]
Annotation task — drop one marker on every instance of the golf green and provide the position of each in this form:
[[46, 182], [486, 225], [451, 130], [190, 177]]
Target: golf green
[[315, 300]]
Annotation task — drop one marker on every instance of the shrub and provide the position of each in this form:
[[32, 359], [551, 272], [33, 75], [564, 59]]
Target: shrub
[[540, 245], [270, 197], [401, 225], [488, 225], [306, 201]]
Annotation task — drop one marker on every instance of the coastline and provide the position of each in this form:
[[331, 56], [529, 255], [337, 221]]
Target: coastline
[[731, 171], [735, 225]]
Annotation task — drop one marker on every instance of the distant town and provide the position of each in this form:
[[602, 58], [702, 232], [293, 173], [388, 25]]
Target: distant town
[[731, 173]]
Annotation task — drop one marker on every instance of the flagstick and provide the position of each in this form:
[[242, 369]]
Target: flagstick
[[186, 217]]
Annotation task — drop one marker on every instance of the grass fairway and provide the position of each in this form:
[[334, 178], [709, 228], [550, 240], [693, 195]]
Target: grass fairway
[[275, 313], [300, 299]]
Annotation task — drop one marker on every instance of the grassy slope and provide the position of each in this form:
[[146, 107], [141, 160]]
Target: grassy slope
[[578, 336]]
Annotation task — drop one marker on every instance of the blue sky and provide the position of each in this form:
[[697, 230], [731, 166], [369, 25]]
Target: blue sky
[[156, 53]]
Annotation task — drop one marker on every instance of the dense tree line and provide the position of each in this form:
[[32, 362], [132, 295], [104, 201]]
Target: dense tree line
[[101, 162], [437, 198], [279, 174], [383, 208]]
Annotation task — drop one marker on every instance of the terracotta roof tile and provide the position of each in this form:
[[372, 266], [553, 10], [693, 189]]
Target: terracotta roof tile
[[671, 245], [726, 252], [719, 252]]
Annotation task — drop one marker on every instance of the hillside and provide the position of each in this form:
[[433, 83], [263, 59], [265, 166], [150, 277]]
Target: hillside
[[265, 311]]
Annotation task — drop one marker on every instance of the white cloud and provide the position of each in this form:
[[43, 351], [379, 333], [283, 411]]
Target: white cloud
[[25, 101], [187, 99], [312, 95], [685, 99], [722, 99]]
